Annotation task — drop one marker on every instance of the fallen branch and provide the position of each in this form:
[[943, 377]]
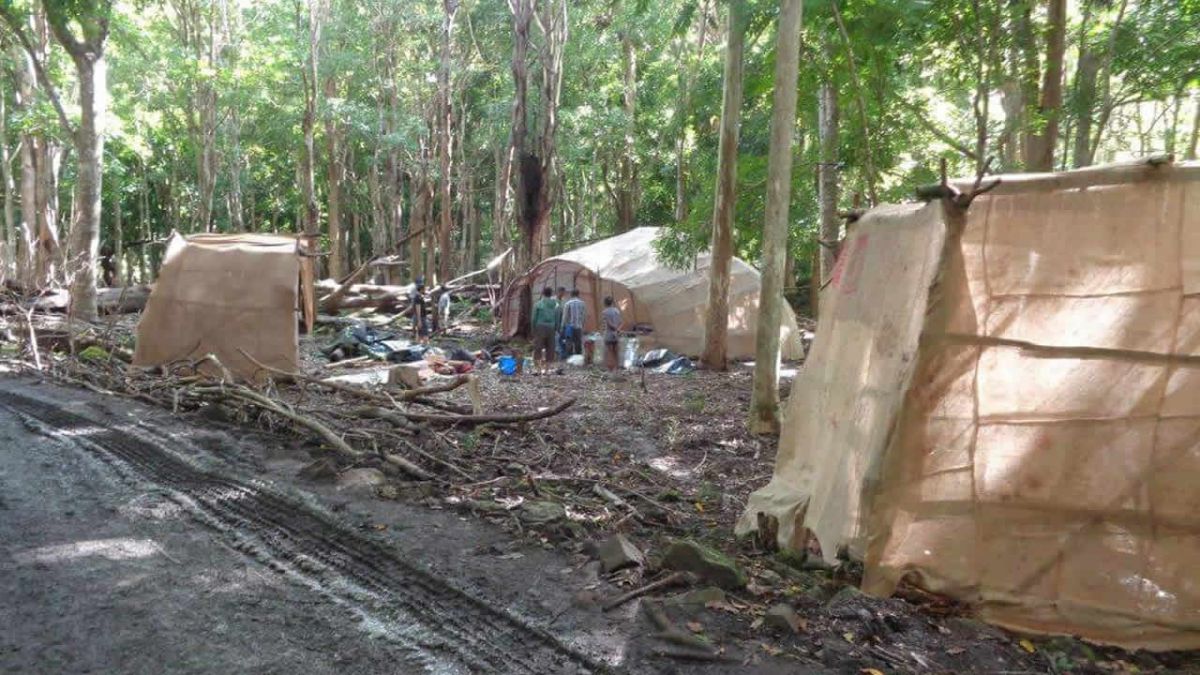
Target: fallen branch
[[408, 467], [498, 418], [331, 300], [694, 656], [438, 460], [243, 394], [673, 579], [33, 341]]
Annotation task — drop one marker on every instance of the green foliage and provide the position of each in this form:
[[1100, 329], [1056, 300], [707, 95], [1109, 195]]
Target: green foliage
[[911, 75]]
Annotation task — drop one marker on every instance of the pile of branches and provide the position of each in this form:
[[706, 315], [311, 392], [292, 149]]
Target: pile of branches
[[406, 429], [437, 438]]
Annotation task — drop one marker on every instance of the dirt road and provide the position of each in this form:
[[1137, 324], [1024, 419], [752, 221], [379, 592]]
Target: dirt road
[[126, 546]]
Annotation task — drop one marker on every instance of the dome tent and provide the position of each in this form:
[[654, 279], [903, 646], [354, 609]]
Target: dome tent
[[668, 302]]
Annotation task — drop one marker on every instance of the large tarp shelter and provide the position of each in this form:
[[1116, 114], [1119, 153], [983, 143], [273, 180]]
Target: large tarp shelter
[[668, 302], [1004, 405], [228, 295]]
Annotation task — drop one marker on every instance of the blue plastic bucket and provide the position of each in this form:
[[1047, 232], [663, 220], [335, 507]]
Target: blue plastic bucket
[[508, 365]]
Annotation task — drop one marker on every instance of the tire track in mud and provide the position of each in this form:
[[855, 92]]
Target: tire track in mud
[[439, 622]]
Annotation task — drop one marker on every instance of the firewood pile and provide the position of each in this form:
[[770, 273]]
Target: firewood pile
[[406, 430]]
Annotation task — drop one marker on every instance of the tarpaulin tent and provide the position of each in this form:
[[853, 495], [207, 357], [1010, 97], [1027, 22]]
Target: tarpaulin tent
[[225, 294], [1004, 405], [668, 302]]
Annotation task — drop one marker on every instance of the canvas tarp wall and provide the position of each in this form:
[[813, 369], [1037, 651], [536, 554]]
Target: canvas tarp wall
[[1006, 406], [222, 294], [648, 292]]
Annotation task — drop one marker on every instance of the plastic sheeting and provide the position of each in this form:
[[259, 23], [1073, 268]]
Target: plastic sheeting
[[222, 295], [1005, 407], [670, 302]]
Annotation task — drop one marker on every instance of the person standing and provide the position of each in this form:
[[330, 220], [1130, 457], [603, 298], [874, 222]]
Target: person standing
[[545, 323], [610, 320], [574, 311], [560, 331], [420, 314]]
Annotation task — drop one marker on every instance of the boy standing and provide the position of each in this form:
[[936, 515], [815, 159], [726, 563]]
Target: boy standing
[[610, 320], [545, 322]]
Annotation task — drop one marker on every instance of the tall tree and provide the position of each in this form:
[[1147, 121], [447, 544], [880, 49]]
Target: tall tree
[[1195, 136], [309, 211], [87, 52], [764, 401], [1044, 138], [6, 194], [27, 229], [41, 154], [625, 196], [716, 322], [827, 181], [537, 155], [687, 84], [445, 132]]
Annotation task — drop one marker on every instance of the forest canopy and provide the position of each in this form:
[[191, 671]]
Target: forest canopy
[[540, 124]]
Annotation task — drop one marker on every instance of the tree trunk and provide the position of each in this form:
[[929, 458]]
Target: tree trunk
[[48, 158], [1085, 99], [1029, 72], [118, 241], [1191, 151], [231, 27], [627, 181], [445, 128], [1172, 132], [536, 157], [422, 196], [1013, 105], [764, 401], [827, 184], [334, 172], [470, 220], [685, 108], [309, 211], [1045, 137], [716, 324], [1105, 79], [27, 229], [6, 188], [237, 220], [503, 188], [28, 240], [522, 11], [89, 150], [143, 223], [860, 104]]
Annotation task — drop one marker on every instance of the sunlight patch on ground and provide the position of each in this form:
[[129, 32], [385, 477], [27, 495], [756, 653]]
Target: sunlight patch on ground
[[122, 548], [670, 465]]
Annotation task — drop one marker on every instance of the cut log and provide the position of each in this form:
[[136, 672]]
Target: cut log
[[117, 300]]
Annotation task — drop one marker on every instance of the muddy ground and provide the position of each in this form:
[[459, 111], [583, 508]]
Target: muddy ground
[[135, 541], [500, 545], [678, 449]]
